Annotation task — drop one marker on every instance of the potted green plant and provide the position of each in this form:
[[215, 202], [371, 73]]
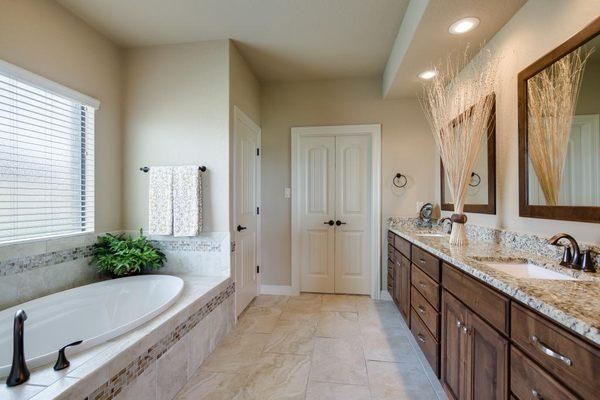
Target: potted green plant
[[122, 255]]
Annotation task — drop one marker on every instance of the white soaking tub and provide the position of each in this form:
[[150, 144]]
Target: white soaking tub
[[93, 313]]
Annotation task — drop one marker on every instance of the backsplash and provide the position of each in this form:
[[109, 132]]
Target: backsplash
[[517, 240]]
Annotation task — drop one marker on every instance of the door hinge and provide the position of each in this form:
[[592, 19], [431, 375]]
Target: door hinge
[[257, 151], [257, 210], [258, 269], [232, 246]]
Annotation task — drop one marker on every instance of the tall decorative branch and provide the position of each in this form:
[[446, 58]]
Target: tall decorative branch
[[551, 101], [458, 103]]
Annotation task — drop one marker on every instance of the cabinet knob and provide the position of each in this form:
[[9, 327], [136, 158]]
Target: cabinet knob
[[459, 324], [536, 394]]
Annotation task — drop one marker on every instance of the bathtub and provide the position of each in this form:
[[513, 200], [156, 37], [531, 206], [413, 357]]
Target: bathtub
[[93, 313]]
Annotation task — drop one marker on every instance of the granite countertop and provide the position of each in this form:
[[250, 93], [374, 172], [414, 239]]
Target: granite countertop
[[573, 304]]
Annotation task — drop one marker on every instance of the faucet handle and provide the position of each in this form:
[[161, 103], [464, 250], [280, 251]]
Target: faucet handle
[[61, 361], [587, 264], [567, 257]]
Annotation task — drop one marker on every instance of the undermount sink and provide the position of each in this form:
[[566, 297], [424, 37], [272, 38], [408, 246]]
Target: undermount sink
[[528, 270], [432, 235]]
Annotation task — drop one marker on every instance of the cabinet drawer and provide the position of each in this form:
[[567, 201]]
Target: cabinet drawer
[[391, 252], [402, 245], [426, 312], [527, 380], [391, 236], [427, 262], [487, 303], [564, 355], [429, 346], [426, 286]]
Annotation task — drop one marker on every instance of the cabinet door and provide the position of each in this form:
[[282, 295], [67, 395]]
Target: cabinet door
[[405, 292], [398, 280], [486, 361], [454, 343]]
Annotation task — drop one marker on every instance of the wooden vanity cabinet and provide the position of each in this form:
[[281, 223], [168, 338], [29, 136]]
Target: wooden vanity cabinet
[[399, 251], [474, 355]]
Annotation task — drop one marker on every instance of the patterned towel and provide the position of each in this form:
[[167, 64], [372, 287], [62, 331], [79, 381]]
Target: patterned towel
[[160, 209], [187, 201]]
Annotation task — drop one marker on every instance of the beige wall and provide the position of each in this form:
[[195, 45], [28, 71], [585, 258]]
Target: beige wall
[[177, 113], [407, 147], [44, 38], [537, 28]]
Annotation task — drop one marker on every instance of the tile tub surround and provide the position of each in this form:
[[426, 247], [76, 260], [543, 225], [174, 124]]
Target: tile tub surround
[[573, 304], [153, 361], [36, 268]]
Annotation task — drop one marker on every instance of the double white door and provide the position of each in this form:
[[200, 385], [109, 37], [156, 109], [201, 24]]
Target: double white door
[[334, 211]]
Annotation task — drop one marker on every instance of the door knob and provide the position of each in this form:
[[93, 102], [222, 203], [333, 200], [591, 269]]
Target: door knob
[[330, 222], [240, 228], [338, 223]]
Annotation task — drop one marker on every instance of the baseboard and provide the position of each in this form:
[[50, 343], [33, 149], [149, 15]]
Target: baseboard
[[385, 296], [277, 289]]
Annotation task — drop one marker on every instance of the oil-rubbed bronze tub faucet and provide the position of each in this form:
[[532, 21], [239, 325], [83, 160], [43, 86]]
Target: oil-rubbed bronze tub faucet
[[18, 372]]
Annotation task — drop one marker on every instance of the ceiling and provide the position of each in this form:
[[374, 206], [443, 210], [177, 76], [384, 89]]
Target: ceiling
[[430, 42], [282, 40]]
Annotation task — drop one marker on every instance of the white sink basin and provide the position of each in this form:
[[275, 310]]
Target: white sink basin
[[432, 235], [528, 271]]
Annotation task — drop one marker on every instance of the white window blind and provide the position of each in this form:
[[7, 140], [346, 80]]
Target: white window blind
[[46, 158]]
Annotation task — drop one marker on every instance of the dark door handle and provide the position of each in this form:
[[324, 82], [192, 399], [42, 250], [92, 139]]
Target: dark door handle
[[338, 223], [330, 222], [240, 228]]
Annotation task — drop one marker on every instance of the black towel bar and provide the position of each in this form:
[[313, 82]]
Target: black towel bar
[[146, 169]]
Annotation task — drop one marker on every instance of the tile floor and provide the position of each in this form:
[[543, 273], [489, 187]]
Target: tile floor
[[316, 347]]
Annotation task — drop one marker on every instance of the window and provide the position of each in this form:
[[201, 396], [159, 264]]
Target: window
[[46, 157]]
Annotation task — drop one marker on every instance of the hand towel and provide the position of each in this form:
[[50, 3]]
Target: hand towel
[[160, 209], [187, 201]]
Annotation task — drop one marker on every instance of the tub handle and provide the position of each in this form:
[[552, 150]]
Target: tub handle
[[61, 361]]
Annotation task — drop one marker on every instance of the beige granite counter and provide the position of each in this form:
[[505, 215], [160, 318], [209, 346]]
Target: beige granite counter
[[574, 304]]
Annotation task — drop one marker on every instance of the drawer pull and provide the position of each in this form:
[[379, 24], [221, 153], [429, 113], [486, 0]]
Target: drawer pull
[[421, 310], [536, 394], [422, 261], [549, 352], [421, 337], [422, 284]]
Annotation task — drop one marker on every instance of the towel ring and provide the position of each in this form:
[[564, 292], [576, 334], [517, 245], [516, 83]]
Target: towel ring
[[478, 178], [400, 180]]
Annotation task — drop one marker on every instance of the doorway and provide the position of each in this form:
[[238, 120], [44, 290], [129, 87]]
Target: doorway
[[336, 209], [246, 200]]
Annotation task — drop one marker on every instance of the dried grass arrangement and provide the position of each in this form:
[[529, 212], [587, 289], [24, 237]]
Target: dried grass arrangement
[[458, 103], [552, 98]]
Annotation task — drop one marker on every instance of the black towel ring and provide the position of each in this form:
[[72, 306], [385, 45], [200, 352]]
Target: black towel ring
[[475, 175], [400, 180]]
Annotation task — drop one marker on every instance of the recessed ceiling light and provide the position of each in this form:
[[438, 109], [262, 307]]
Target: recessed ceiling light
[[463, 25], [430, 73]]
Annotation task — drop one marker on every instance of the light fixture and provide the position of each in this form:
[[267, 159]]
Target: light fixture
[[430, 73], [463, 25]]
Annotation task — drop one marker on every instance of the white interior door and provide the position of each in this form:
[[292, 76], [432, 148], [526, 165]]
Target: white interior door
[[317, 202], [334, 202], [352, 212], [246, 201]]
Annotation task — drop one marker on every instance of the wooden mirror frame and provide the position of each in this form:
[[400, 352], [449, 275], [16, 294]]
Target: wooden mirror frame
[[490, 207], [568, 213]]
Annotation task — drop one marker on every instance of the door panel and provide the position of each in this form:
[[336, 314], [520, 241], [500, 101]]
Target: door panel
[[487, 376], [454, 315], [352, 207], [247, 136], [317, 196]]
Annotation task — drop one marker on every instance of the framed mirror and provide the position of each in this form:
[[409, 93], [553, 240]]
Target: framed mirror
[[481, 193], [559, 131]]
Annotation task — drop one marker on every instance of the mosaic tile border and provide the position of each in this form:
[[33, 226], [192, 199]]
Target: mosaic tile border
[[19, 265], [190, 244], [115, 384]]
